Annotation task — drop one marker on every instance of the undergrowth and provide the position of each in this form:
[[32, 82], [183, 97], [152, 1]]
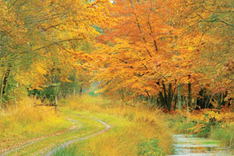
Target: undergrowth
[[26, 122], [206, 123], [135, 130]]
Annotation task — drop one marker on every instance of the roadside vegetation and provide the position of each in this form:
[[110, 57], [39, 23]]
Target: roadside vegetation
[[136, 130], [206, 123], [26, 122]]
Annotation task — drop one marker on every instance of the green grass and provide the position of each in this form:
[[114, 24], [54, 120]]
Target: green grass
[[89, 126], [211, 142], [224, 134], [124, 138], [28, 122], [135, 131], [221, 132], [179, 124]]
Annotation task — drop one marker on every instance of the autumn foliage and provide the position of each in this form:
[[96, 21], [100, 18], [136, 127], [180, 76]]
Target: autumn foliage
[[162, 53]]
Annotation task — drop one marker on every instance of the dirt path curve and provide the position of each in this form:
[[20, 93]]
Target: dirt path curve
[[79, 139], [30, 142]]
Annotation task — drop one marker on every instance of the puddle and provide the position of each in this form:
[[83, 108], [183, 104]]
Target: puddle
[[194, 146]]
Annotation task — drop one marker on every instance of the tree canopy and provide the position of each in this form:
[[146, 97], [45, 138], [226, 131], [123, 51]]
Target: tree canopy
[[157, 51]]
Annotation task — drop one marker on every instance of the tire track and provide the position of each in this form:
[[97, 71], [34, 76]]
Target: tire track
[[30, 142], [51, 152]]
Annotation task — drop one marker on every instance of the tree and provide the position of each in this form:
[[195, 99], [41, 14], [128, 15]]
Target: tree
[[140, 55], [13, 38], [52, 33], [208, 25]]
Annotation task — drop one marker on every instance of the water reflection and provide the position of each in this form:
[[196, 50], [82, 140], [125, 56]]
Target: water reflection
[[194, 146]]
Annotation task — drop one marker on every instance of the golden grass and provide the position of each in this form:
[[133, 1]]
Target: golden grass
[[26, 122], [125, 141], [131, 126]]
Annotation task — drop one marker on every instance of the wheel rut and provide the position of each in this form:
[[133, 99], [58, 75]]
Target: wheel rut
[[107, 127], [35, 140], [75, 127]]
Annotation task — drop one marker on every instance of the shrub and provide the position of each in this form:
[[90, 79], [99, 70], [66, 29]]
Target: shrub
[[150, 148]]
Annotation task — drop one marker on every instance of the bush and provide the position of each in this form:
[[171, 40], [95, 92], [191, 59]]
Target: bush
[[150, 148], [224, 134]]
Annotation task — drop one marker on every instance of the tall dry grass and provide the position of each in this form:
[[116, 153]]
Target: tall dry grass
[[25, 122], [131, 126]]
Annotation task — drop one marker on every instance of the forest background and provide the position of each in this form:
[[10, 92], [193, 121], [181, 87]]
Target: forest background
[[172, 55]]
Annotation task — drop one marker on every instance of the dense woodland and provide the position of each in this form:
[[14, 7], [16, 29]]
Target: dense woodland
[[165, 53], [124, 76]]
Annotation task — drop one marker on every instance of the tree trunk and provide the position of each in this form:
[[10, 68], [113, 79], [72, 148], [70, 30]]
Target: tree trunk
[[170, 97], [4, 84], [189, 95], [219, 103], [165, 96], [162, 99], [56, 104], [81, 91], [179, 97]]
